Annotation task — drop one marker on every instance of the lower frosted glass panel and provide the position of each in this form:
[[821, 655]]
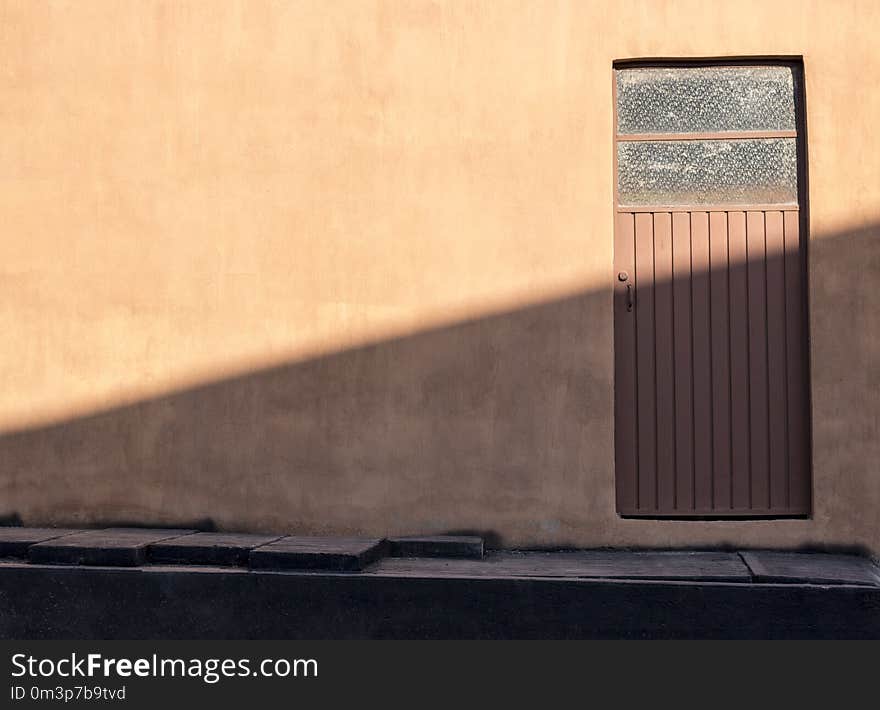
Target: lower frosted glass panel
[[734, 172]]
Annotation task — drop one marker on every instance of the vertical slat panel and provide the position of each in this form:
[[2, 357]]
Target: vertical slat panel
[[645, 367], [682, 338], [758, 389], [776, 360], [702, 363], [798, 472], [739, 360], [625, 431], [664, 361], [716, 359], [721, 450]]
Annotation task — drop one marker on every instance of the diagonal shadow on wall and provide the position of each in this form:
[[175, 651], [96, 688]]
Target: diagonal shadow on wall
[[502, 423]]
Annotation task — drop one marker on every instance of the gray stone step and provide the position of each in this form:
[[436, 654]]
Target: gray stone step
[[811, 568], [620, 564], [125, 547], [223, 549], [330, 553], [15, 541], [456, 546]]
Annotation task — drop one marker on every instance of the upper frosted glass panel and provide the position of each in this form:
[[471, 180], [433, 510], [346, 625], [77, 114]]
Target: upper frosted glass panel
[[729, 172], [705, 99]]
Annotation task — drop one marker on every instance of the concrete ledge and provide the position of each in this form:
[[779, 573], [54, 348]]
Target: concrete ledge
[[310, 588], [43, 602], [596, 564], [808, 568]]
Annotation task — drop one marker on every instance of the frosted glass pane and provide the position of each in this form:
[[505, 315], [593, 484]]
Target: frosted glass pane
[[704, 99], [734, 172]]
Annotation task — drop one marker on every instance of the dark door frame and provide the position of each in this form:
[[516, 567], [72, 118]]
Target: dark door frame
[[800, 134]]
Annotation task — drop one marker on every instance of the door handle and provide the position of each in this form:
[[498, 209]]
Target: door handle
[[623, 277]]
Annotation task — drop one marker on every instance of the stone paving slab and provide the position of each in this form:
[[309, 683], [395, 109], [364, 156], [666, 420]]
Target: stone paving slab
[[125, 547], [330, 553], [15, 541], [811, 568], [469, 546], [224, 549], [673, 566]]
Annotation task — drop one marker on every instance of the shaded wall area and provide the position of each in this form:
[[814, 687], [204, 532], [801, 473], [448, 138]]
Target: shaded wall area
[[485, 425], [501, 425]]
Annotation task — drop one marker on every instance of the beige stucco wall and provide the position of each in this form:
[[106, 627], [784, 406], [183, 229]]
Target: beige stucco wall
[[346, 266]]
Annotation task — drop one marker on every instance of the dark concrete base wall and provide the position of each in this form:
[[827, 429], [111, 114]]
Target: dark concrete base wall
[[149, 603]]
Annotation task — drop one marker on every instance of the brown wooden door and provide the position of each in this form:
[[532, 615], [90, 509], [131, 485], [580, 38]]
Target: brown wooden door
[[711, 399]]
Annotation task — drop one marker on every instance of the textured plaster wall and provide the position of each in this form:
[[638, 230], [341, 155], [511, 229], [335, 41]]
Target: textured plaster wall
[[346, 266]]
